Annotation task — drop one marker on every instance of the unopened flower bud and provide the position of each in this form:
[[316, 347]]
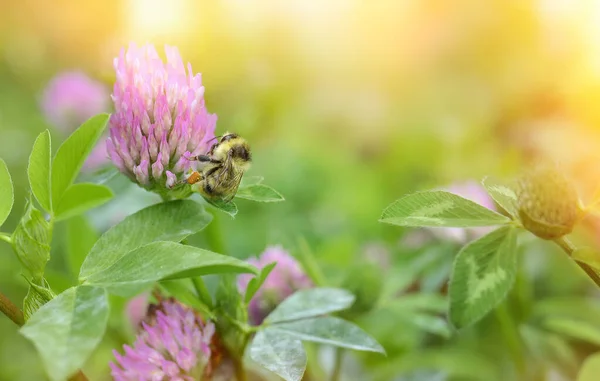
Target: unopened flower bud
[[548, 203]]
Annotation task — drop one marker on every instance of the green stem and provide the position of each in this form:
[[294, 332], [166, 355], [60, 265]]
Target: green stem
[[214, 236], [569, 248], [79, 376], [511, 335], [202, 291], [240, 371], [6, 238], [337, 365]]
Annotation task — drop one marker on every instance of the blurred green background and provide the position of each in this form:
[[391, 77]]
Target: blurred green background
[[348, 105]]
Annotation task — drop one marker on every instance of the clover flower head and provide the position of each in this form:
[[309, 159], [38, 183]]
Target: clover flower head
[[160, 119], [71, 98], [286, 277], [173, 344], [548, 202]]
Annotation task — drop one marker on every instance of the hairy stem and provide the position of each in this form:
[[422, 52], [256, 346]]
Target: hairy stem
[[337, 365], [11, 311], [569, 248]]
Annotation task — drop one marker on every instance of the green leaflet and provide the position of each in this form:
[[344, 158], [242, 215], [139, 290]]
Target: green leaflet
[[66, 330], [259, 193], [167, 221], [439, 209], [78, 198], [38, 170], [483, 273], [163, 260], [7, 196], [72, 154]]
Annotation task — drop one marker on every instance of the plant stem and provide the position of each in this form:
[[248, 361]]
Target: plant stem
[[9, 309], [569, 248], [79, 376], [337, 365], [6, 237], [214, 236], [511, 336], [202, 291], [240, 371]]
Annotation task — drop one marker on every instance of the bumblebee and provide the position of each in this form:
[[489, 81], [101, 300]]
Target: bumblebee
[[222, 168]]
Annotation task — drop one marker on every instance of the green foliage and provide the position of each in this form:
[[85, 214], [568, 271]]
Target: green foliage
[[365, 282], [503, 195], [309, 303], [278, 346], [483, 273], [251, 189], [169, 221], [329, 330], [67, 329], [79, 198], [72, 154], [589, 256], [439, 209], [421, 311], [575, 329], [259, 193], [38, 170], [81, 237], [570, 317], [178, 290], [230, 308], [226, 207], [310, 263], [257, 281], [31, 242], [155, 261], [281, 354], [590, 369], [37, 296], [7, 196]]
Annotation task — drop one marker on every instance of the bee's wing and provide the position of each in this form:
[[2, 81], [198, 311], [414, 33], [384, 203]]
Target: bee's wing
[[233, 185]]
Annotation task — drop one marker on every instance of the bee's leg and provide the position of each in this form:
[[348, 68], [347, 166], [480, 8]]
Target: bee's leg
[[205, 159], [201, 158]]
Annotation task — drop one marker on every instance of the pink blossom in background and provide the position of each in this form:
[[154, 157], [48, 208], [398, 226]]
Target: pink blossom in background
[[137, 308], [71, 98], [287, 277], [97, 158], [174, 346], [160, 118]]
